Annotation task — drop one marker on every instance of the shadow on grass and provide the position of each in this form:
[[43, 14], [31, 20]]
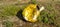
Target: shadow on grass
[[20, 16]]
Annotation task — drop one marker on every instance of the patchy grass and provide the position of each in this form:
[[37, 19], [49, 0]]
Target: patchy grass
[[10, 10], [33, 1], [8, 24], [48, 15]]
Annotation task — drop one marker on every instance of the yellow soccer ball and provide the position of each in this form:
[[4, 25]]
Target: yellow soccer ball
[[31, 12]]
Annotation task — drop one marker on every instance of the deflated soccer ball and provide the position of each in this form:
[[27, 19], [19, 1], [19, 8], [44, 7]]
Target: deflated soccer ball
[[31, 12]]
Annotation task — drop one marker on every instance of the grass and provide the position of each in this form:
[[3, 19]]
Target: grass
[[48, 15], [33, 1], [10, 10], [8, 24]]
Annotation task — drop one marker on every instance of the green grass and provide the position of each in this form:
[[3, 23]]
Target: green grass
[[48, 15], [33, 1], [8, 24], [10, 10]]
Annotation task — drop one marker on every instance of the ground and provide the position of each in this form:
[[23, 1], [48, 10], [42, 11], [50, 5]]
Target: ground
[[10, 8]]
